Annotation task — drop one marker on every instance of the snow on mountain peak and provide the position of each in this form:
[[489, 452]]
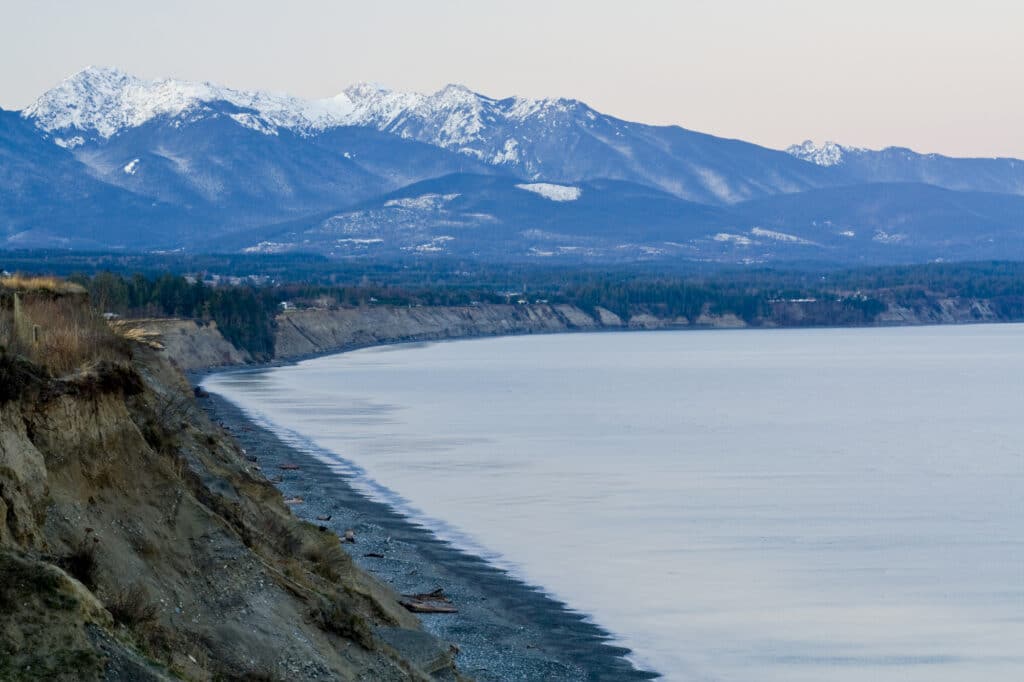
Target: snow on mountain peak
[[98, 103], [451, 117], [104, 101], [828, 154]]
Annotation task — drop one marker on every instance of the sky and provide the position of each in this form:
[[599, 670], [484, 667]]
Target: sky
[[935, 76]]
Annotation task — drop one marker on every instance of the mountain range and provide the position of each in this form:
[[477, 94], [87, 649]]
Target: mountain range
[[106, 160]]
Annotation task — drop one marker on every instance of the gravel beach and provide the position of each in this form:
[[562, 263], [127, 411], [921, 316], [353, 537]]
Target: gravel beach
[[503, 629]]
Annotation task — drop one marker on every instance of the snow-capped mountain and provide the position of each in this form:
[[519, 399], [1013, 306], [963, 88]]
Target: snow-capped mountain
[[102, 102], [565, 140], [107, 159], [555, 139], [898, 164], [232, 158], [828, 154]]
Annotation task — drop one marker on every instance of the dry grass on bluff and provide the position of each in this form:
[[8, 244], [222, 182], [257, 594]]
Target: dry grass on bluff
[[29, 283], [50, 323]]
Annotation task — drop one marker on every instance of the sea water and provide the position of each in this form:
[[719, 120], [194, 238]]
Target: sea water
[[731, 505]]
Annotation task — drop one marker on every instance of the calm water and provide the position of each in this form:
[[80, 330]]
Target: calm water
[[732, 505]]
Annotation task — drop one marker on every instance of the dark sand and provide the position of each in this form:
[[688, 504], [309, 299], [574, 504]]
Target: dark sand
[[505, 629]]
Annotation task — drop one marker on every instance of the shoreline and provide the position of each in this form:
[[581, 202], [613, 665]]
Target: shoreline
[[513, 630], [505, 629]]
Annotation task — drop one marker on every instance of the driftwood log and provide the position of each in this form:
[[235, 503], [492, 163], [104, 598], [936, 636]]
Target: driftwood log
[[428, 602], [423, 607]]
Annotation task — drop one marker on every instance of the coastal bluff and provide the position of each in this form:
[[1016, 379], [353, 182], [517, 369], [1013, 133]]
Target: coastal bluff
[[300, 333], [193, 346]]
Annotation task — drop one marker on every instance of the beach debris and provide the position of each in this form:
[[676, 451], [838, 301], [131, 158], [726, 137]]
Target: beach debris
[[323, 517], [421, 607], [428, 602], [294, 500], [350, 535], [434, 595], [374, 555], [287, 466]]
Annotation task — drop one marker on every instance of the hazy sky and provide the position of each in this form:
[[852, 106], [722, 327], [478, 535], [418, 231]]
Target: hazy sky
[[938, 76]]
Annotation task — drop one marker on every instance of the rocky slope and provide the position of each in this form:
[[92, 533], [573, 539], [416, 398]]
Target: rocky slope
[[138, 542]]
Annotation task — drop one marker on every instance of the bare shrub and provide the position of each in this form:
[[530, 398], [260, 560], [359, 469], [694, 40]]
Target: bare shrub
[[132, 607], [338, 618], [173, 409], [327, 558]]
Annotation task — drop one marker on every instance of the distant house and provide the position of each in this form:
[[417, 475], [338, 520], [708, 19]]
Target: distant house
[[287, 305]]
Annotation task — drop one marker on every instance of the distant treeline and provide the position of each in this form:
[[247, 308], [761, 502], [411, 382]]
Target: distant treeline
[[246, 311], [244, 314]]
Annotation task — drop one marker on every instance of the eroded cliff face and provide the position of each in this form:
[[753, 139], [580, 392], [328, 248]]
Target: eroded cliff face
[[303, 333], [190, 345], [137, 541], [306, 332], [942, 311]]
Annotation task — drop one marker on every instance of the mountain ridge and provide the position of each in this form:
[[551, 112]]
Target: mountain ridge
[[112, 160], [557, 139]]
